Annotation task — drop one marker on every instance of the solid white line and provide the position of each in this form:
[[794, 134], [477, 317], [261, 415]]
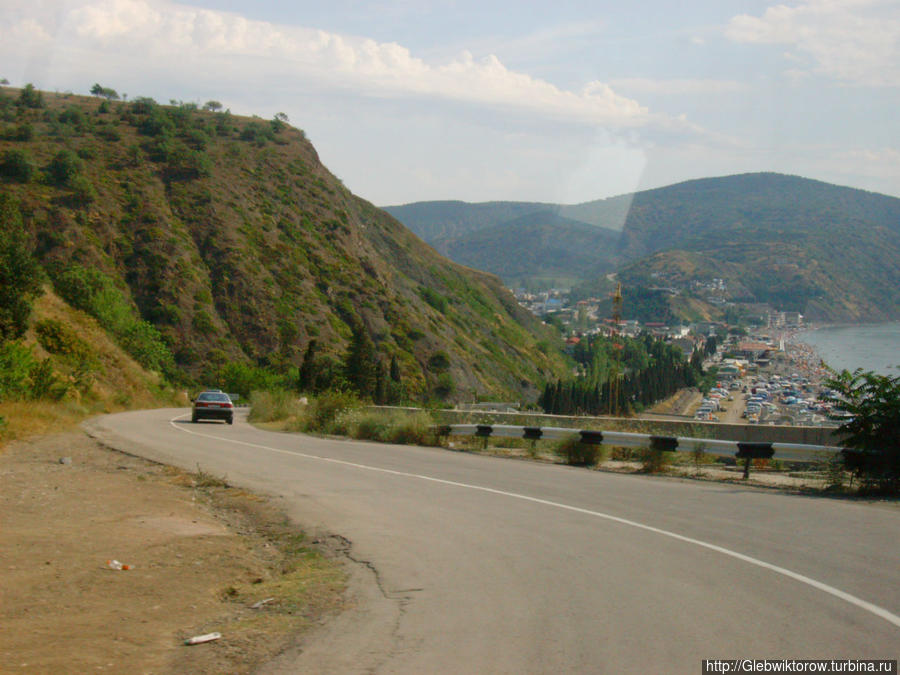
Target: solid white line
[[831, 590]]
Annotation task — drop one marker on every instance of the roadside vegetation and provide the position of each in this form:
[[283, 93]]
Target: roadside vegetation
[[619, 375], [341, 414], [872, 428], [868, 467]]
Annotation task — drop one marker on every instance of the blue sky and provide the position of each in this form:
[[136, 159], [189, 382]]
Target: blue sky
[[560, 102]]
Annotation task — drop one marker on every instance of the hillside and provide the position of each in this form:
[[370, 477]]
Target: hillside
[[830, 252], [541, 244], [229, 242], [752, 208], [456, 219]]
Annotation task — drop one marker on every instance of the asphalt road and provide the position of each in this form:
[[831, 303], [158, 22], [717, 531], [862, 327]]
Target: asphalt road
[[471, 564]]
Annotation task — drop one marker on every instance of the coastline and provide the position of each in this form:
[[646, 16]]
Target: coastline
[[848, 346], [805, 358]]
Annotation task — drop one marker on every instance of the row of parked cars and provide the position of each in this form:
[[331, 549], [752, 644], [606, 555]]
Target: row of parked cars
[[713, 402]]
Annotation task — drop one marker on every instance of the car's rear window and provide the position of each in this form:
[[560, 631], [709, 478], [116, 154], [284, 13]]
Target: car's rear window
[[213, 397]]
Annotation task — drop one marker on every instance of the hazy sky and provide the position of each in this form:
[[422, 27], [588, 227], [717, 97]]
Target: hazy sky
[[455, 99]]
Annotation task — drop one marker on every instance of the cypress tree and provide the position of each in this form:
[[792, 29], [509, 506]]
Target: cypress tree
[[360, 363], [306, 378]]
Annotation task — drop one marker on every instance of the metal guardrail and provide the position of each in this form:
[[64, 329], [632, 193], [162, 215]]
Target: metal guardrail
[[791, 452]]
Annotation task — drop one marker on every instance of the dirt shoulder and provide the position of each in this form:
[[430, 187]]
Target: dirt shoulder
[[201, 555]]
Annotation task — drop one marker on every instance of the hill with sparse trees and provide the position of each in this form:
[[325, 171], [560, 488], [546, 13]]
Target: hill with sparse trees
[[212, 246]]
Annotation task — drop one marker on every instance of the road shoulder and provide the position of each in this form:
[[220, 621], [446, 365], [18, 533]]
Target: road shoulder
[[201, 554]]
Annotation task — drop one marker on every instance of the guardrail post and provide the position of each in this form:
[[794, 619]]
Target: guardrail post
[[663, 443], [591, 437], [441, 432], [484, 432], [532, 434], [657, 446], [750, 451]]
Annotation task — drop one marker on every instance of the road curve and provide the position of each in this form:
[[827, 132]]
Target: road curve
[[471, 564]]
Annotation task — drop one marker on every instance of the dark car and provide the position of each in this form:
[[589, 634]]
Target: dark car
[[213, 405]]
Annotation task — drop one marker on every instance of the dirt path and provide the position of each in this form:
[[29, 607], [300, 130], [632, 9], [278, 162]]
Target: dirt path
[[201, 554]]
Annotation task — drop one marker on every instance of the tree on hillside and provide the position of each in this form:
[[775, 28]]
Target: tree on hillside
[[105, 92], [17, 165], [306, 377], [20, 274], [361, 363], [30, 97], [64, 166], [873, 401]]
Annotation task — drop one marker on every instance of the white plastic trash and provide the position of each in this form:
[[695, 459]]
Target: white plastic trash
[[199, 639]]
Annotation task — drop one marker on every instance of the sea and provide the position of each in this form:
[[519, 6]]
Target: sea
[[873, 347]]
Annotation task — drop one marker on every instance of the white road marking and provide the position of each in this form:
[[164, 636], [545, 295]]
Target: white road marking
[[831, 590]]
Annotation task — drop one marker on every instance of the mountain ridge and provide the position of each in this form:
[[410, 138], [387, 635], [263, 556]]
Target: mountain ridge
[[229, 237], [798, 244]]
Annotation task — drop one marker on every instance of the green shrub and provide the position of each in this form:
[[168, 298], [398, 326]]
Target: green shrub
[[16, 165], [439, 362], [655, 461], [243, 379], [30, 97], [362, 424], [20, 274], [433, 298], [44, 383], [203, 323], [94, 292], [145, 343], [274, 406], [257, 132], [73, 117], [412, 429], [64, 167], [384, 426], [325, 408], [57, 338], [16, 362], [108, 132], [444, 387], [873, 428], [577, 453], [24, 132], [83, 192], [22, 377]]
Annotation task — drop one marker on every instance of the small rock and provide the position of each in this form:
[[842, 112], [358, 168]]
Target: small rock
[[65, 460]]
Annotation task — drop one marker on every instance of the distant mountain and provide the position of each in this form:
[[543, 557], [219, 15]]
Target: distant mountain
[[753, 208], [210, 239], [450, 219], [830, 252], [541, 244], [798, 244]]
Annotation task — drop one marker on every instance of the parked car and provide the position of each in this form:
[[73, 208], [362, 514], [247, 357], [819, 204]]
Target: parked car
[[212, 405]]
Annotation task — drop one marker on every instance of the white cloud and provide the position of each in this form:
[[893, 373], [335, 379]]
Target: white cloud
[[677, 86], [174, 38], [886, 157], [856, 41]]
